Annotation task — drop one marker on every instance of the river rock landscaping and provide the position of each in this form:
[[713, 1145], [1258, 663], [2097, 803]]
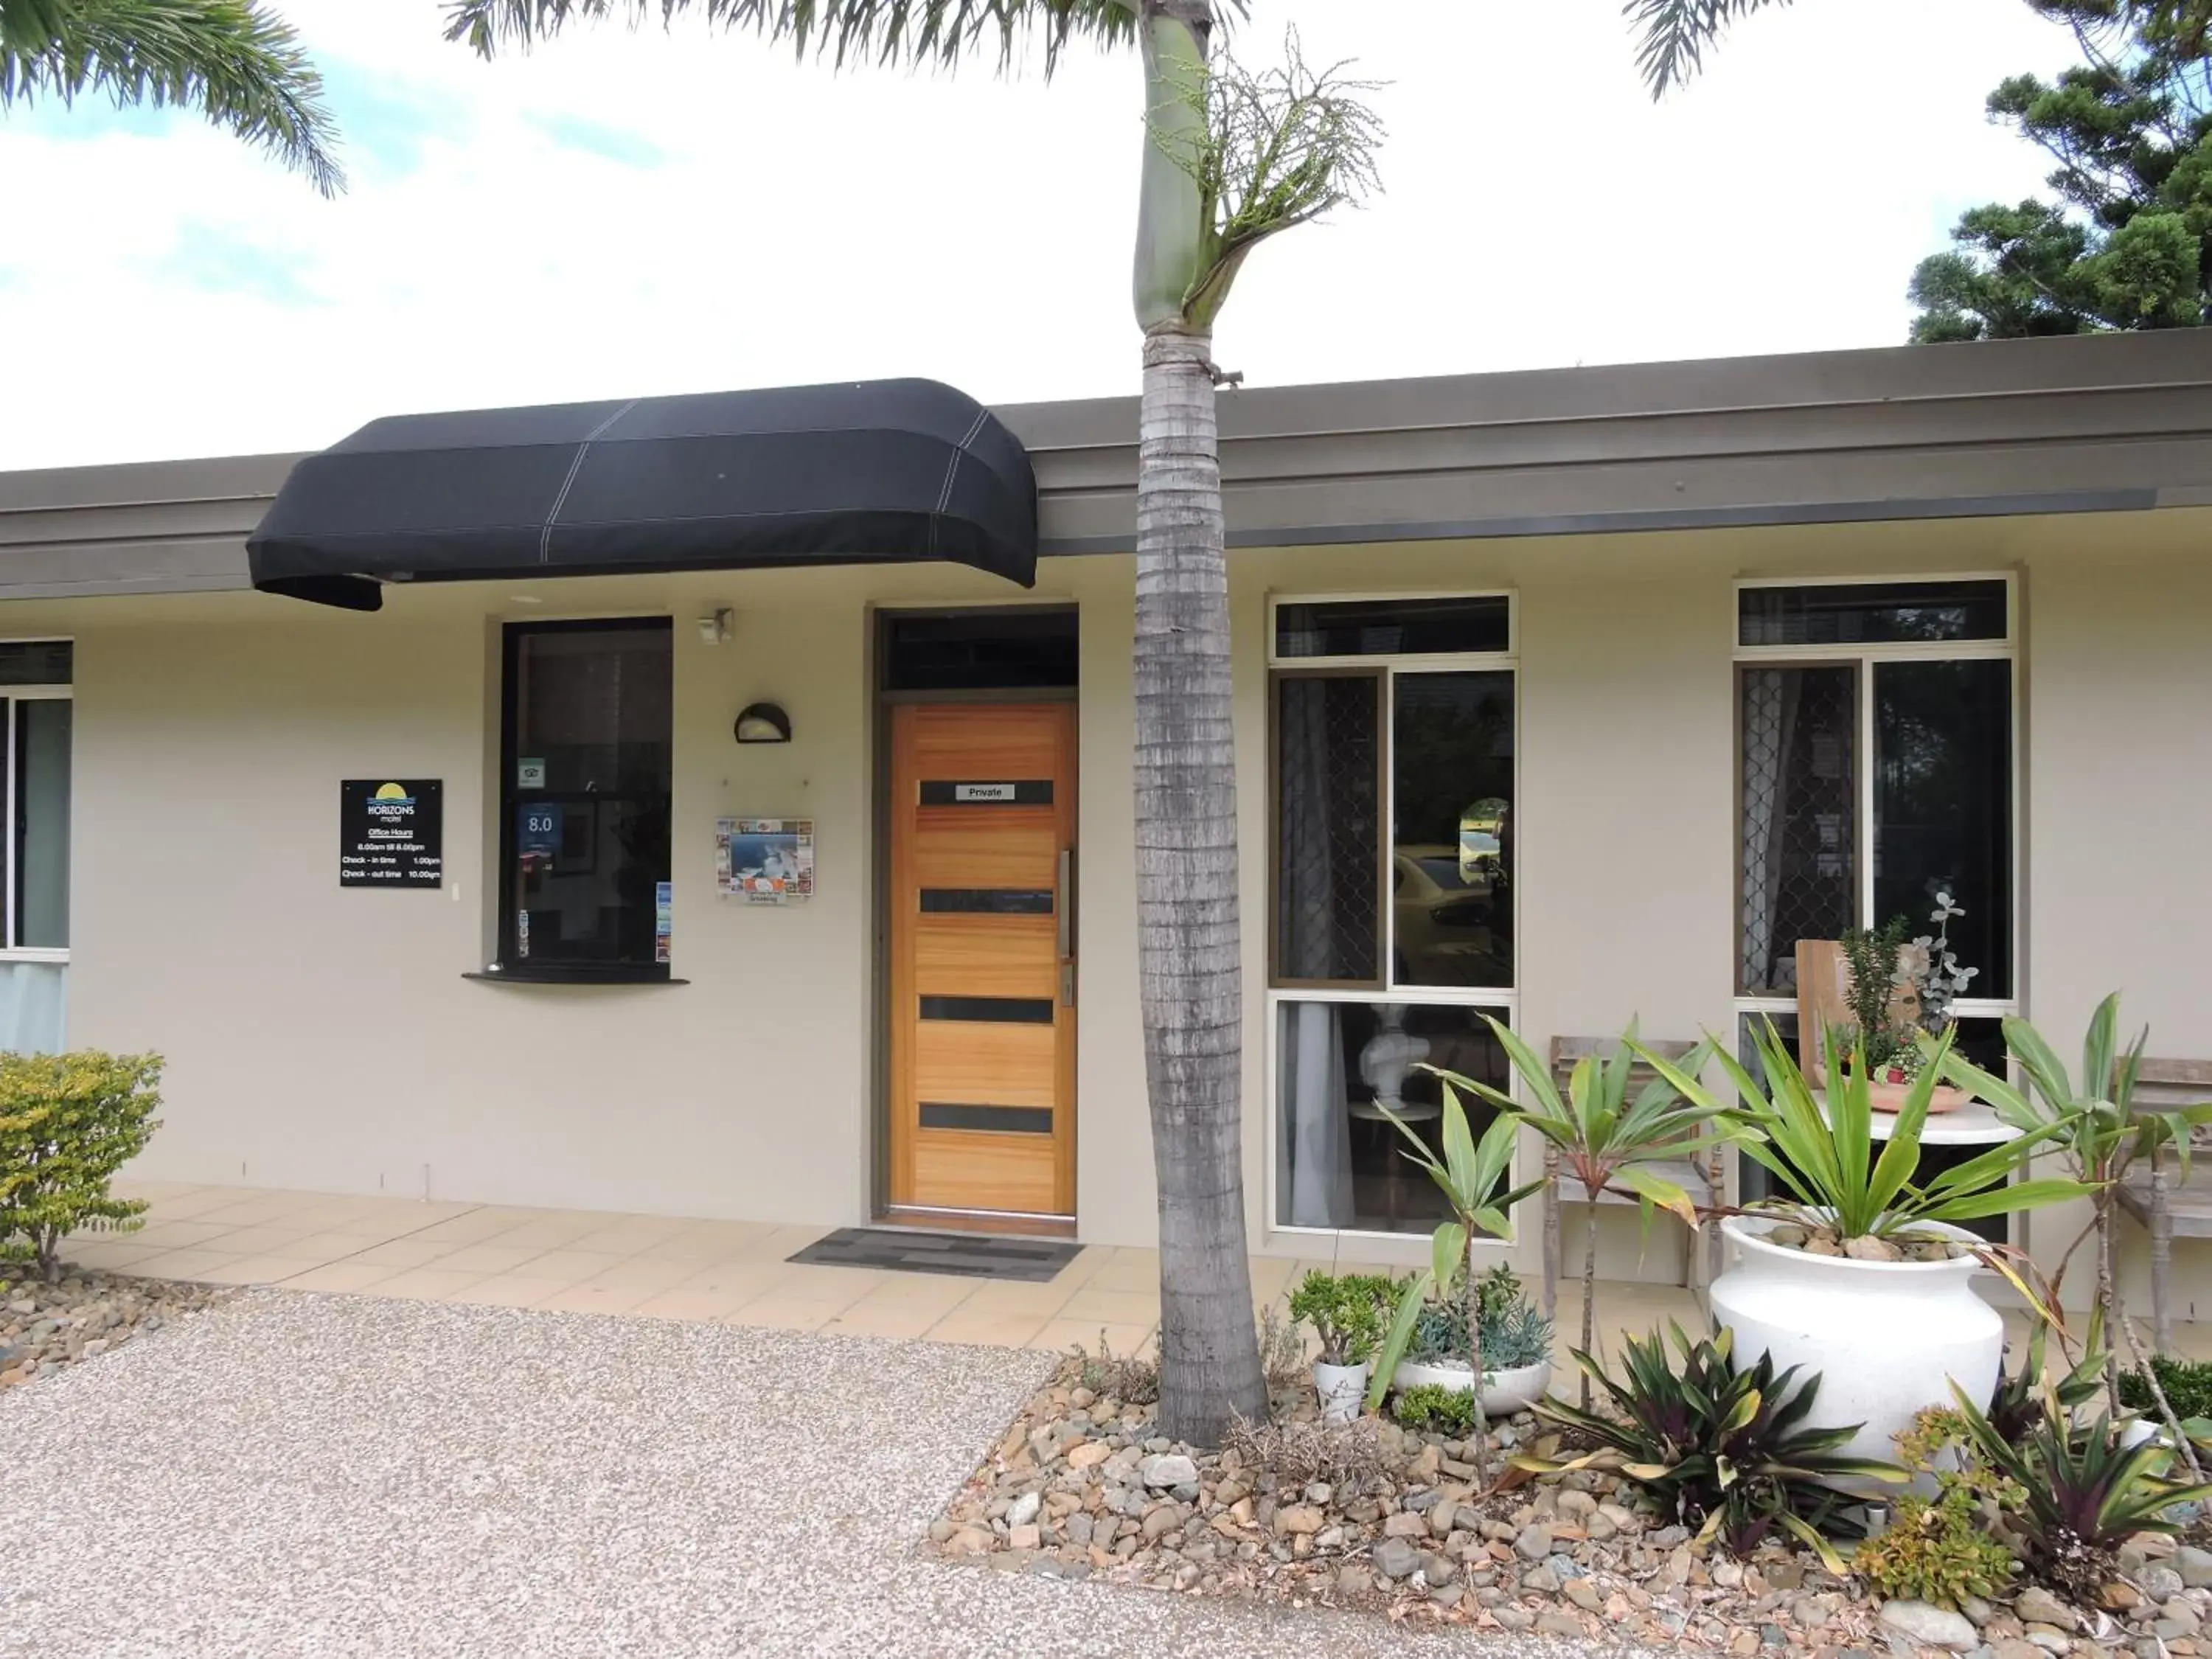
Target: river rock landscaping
[[1375, 1517], [46, 1327]]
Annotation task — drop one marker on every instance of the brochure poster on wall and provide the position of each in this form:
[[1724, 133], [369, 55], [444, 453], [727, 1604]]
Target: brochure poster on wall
[[663, 919], [765, 860]]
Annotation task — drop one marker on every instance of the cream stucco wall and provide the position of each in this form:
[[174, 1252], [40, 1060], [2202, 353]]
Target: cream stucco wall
[[326, 1039]]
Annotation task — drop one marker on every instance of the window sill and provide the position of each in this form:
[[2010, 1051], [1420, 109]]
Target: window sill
[[642, 974]]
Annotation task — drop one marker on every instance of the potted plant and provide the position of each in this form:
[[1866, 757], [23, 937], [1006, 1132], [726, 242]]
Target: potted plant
[[1608, 1138], [1346, 1315], [1899, 992], [1857, 1273], [1472, 1175], [1517, 1346]]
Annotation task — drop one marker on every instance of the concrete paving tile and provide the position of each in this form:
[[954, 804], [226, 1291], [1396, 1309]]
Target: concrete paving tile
[[255, 1270], [571, 1266], [341, 1276], [510, 1290], [191, 1264], [399, 1253], [427, 1283], [780, 1313], [968, 1323], [485, 1258]]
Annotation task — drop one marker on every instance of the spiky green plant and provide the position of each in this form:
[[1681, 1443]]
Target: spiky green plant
[[2084, 1490], [1728, 1450], [1820, 1144], [1607, 1137]]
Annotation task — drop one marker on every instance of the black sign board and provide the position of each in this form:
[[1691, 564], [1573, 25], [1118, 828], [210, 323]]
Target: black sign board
[[391, 833]]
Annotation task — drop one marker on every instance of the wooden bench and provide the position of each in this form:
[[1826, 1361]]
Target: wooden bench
[[1704, 1179], [2168, 1211]]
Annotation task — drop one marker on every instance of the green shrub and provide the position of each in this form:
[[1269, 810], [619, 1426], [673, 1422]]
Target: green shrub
[[1514, 1332], [1730, 1452], [1936, 1551], [2187, 1382], [1347, 1314], [1951, 1547], [1432, 1409], [68, 1122]]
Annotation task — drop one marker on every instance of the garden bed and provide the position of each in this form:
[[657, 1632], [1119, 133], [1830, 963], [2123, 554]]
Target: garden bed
[[1081, 1486], [46, 1327]]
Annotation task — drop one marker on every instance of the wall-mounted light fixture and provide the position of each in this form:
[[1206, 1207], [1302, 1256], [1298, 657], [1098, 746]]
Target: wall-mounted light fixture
[[714, 626], [763, 722]]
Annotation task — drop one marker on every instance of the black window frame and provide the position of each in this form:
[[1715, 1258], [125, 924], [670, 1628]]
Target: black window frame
[[508, 965]]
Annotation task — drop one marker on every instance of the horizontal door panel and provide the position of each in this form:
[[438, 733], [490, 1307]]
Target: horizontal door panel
[[985, 957], [971, 1064], [972, 744], [964, 1170], [990, 852]]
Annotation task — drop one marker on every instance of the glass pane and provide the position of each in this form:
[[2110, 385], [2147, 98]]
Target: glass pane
[[1875, 613], [1799, 817], [42, 822], [36, 662], [590, 719], [1339, 1160], [1451, 856], [1008, 648], [1329, 829], [1942, 806], [1388, 628]]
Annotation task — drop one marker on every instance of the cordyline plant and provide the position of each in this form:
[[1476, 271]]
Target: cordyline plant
[[2100, 1134], [1606, 1140], [1471, 1175], [68, 1122], [2084, 1490], [1729, 1450]]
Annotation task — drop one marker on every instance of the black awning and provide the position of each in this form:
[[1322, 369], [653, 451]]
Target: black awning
[[880, 472]]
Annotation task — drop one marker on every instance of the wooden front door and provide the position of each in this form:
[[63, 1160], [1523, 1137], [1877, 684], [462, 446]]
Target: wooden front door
[[982, 961]]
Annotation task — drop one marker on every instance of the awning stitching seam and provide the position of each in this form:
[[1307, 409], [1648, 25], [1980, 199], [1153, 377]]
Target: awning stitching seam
[[952, 470], [545, 535]]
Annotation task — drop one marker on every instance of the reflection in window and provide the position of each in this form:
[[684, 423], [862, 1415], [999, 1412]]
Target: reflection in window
[[1394, 628], [1942, 805], [1341, 1068], [1871, 613], [1452, 786], [587, 792]]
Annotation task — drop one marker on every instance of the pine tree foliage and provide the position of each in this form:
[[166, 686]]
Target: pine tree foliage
[[2125, 242]]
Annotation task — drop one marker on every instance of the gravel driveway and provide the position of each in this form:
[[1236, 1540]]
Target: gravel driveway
[[296, 1475]]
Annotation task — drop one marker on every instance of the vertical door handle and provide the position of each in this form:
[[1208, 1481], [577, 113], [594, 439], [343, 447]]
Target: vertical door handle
[[1064, 915]]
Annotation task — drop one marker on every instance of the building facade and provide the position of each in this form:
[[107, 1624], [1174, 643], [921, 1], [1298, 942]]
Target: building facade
[[1562, 698]]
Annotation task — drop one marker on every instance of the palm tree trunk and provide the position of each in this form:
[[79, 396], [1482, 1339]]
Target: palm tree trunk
[[1191, 978]]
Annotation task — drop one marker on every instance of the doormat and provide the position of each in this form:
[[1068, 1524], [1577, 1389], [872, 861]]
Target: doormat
[[972, 1255]]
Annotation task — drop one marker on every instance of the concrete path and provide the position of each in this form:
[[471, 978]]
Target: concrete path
[[301, 1474]]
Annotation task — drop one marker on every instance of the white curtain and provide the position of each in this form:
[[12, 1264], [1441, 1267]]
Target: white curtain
[[33, 1006], [1314, 1144]]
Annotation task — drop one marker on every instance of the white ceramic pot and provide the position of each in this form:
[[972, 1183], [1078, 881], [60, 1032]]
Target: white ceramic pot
[[1887, 1338], [1503, 1393], [1342, 1388]]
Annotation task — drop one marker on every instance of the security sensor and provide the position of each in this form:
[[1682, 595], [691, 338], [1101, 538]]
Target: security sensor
[[714, 626]]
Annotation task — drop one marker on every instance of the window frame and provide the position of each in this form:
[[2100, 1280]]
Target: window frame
[[10, 908], [509, 797], [1863, 660], [1504, 1001]]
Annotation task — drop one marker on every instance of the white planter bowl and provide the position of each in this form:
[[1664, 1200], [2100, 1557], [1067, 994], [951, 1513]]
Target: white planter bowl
[[1887, 1338], [1503, 1393], [1343, 1391]]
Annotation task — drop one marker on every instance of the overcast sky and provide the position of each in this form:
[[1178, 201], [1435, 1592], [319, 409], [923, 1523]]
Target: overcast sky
[[624, 214]]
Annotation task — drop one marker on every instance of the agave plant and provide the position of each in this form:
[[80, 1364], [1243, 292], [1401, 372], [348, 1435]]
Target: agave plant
[[2084, 1490], [1732, 1452]]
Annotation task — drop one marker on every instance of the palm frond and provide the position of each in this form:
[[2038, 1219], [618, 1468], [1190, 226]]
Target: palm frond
[[233, 61], [943, 33], [1673, 36]]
